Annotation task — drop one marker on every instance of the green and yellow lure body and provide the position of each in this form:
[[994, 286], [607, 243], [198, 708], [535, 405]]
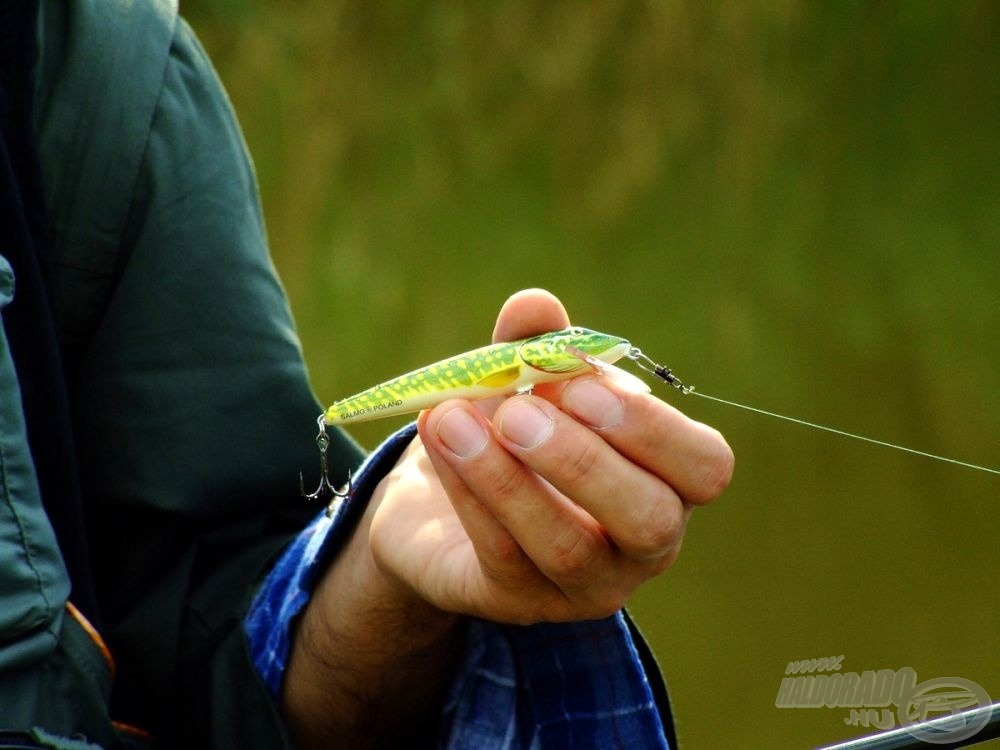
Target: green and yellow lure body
[[496, 370]]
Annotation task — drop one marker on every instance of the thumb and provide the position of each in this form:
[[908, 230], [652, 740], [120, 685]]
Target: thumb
[[527, 313]]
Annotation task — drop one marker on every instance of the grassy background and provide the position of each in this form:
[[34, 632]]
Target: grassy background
[[793, 204]]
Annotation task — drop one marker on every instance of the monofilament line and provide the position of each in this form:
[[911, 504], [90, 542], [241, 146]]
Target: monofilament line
[[842, 433]]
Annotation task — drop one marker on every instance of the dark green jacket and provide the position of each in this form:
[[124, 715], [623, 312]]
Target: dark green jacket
[[191, 410]]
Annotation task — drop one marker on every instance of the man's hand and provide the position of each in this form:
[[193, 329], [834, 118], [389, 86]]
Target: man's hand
[[553, 506]]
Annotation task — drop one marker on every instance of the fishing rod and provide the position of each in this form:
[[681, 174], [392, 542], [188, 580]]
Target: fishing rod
[[956, 730]]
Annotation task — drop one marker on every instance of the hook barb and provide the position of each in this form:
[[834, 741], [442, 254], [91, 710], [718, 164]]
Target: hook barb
[[325, 490]]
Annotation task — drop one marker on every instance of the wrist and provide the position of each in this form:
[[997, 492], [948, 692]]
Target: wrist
[[368, 653]]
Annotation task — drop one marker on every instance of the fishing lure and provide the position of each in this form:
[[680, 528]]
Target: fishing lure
[[517, 367], [496, 370]]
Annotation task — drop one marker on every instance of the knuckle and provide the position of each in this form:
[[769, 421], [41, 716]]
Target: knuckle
[[582, 465], [573, 554], [659, 529], [505, 559], [715, 467], [667, 559], [506, 482]]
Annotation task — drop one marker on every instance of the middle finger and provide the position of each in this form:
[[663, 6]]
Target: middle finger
[[639, 511]]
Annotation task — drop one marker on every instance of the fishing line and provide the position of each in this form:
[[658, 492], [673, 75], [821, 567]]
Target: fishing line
[[844, 433], [668, 377]]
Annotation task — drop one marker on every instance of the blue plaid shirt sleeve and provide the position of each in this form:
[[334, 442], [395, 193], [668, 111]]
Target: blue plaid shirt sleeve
[[579, 685]]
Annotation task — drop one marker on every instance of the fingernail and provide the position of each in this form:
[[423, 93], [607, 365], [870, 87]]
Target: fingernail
[[591, 402], [525, 424], [461, 433]]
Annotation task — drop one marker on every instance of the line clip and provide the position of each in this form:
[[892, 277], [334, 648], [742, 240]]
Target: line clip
[[663, 373]]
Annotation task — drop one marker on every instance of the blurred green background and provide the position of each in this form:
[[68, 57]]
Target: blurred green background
[[793, 204]]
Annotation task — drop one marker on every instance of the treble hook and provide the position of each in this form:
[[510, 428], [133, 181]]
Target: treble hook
[[325, 489], [663, 373]]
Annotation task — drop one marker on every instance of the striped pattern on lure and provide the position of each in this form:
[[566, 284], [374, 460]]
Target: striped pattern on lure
[[496, 370]]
